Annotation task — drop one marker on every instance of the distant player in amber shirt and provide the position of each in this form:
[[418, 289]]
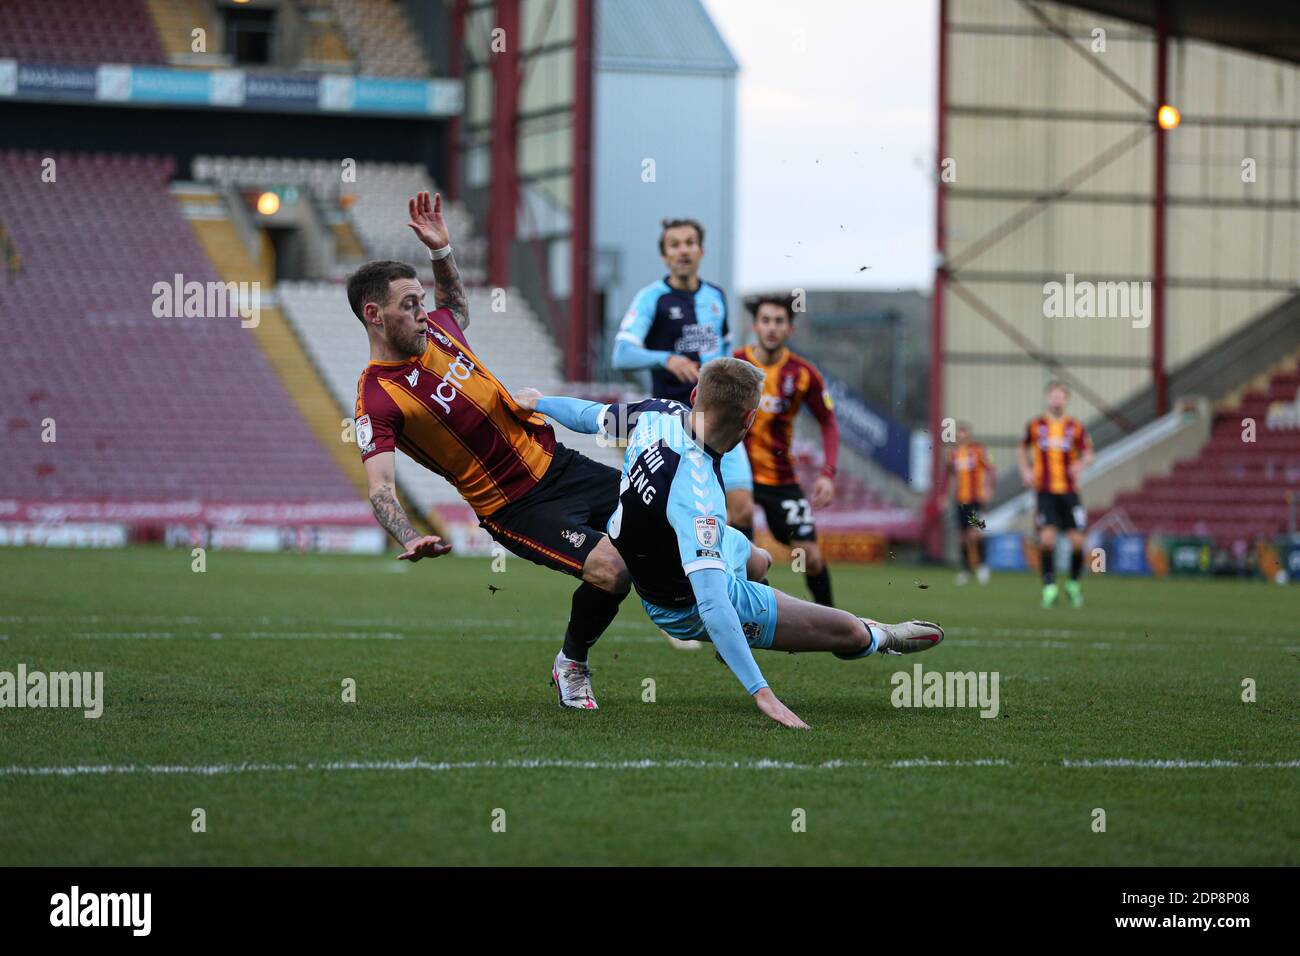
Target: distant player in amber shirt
[[427, 393], [1053, 454], [972, 477], [790, 383]]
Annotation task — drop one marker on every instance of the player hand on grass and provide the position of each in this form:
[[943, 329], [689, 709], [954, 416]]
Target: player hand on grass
[[823, 491], [783, 715], [526, 398], [427, 221], [429, 546], [682, 367]]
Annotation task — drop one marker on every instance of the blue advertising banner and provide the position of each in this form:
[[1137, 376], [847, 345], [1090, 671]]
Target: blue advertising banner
[[870, 432], [156, 84], [1005, 552], [1291, 561], [164, 86], [265, 90], [1127, 554], [74, 82]]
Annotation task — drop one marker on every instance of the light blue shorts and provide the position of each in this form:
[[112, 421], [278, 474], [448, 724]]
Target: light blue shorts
[[736, 473], [755, 603]]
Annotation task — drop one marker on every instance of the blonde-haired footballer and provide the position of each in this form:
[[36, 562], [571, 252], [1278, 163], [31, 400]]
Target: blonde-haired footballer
[[694, 574]]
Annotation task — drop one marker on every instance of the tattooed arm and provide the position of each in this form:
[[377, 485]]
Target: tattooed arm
[[380, 475], [449, 291], [431, 228]]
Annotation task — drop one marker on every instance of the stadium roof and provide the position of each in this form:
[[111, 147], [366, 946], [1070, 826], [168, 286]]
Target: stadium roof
[[1267, 27], [675, 35]]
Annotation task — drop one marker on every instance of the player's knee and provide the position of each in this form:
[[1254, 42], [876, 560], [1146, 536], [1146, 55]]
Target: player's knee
[[760, 562], [814, 565], [851, 635], [607, 572]]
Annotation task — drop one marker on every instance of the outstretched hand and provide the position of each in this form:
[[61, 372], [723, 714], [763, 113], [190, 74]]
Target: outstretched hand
[[769, 704], [427, 221], [527, 398], [429, 546]]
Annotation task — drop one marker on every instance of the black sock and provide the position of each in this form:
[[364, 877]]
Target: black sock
[[980, 546], [592, 612], [747, 531], [820, 586], [964, 548], [1076, 564], [1048, 557]]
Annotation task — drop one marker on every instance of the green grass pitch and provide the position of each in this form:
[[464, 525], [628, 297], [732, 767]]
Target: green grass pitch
[[224, 692]]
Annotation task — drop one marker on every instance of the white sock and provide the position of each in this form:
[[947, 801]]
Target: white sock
[[877, 639]]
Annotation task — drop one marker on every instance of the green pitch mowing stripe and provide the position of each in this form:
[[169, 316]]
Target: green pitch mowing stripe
[[223, 691]]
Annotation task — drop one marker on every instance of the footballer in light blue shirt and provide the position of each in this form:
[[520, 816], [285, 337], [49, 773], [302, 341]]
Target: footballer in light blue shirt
[[674, 327], [696, 576]]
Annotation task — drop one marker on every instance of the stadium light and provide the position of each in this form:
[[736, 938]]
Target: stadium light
[[268, 204], [1168, 117]]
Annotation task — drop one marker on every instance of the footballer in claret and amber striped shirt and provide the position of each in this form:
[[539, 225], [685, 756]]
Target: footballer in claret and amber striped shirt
[[426, 393], [971, 474], [1053, 454], [790, 383]]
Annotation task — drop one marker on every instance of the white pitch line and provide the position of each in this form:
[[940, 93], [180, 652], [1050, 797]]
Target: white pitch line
[[1178, 764], [244, 635], [217, 770]]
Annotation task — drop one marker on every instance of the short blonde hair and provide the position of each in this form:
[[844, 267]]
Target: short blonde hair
[[730, 387]]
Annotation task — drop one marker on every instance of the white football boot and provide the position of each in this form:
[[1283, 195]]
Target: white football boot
[[907, 637], [982, 574], [573, 681]]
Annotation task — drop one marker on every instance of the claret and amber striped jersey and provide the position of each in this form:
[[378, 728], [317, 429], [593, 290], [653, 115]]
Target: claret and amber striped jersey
[[790, 382], [1054, 444], [971, 467], [450, 414]]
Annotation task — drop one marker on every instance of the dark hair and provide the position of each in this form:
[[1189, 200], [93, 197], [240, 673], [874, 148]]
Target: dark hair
[[666, 224], [370, 283], [754, 302]]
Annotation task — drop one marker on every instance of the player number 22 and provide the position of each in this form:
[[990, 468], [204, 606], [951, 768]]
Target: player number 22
[[797, 511]]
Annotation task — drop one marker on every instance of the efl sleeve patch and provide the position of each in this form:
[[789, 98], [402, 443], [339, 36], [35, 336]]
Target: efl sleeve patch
[[706, 531], [365, 431]]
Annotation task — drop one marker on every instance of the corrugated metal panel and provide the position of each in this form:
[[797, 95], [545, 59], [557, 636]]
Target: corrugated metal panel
[[663, 34], [1025, 113]]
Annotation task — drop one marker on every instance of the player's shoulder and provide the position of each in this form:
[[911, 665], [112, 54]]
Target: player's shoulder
[[372, 396], [443, 328], [795, 360], [652, 292]]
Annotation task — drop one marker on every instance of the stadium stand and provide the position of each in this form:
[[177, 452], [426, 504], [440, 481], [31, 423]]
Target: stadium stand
[[175, 21], [378, 35], [1235, 490], [208, 216], [146, 407], [79, 32], [373, 207]]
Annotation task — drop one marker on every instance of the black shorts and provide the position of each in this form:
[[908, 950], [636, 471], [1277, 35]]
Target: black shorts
[[1061, 511], [789, 515], [968, 516], [561, 519]]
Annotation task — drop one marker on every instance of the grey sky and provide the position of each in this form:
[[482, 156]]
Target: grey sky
[[835, 134]]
